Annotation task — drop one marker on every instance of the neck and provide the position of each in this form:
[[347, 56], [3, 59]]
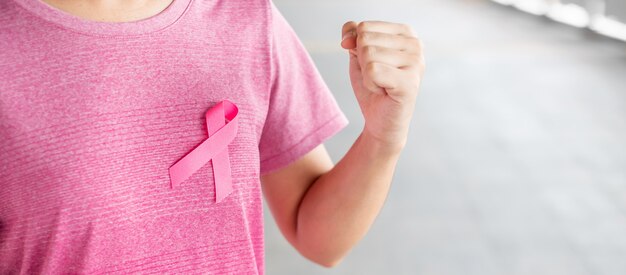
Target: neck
[[111, 10]]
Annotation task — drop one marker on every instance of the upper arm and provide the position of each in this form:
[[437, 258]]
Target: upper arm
[[284, 189], [302, 113]]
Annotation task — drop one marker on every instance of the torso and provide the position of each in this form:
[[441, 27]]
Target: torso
[[92, 116]]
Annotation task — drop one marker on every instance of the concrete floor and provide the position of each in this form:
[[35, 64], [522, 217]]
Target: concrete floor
[[517, 154]]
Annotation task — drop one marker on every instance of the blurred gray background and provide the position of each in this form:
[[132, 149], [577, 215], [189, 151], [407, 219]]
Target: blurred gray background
[[517, 155]]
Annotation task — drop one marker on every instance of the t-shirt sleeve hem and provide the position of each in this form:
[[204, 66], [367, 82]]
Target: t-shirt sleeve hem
[[305, 145]]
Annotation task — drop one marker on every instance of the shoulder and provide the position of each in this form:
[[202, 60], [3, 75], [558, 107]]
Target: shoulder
[[239, 9], [12, 17], [242, 18]]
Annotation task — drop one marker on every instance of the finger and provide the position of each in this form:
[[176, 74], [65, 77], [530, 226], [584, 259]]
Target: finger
[[392, 41], [391, 57], [354, 63], [348, 35], [382, 75], [384, 27], [368, 74], [395, 82]]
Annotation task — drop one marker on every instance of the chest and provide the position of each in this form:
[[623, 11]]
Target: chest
[[111, 119]]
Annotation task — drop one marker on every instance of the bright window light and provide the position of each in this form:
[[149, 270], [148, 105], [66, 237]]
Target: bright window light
[[571, 14], [610, 27]]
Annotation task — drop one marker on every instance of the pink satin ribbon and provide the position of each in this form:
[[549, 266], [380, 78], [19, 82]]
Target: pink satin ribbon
[[222, 122]]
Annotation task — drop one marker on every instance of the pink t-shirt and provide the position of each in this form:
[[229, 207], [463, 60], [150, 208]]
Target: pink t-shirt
[[93, 114]]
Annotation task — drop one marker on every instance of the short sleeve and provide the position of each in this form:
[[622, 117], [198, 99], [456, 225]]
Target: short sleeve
[[302, 111]]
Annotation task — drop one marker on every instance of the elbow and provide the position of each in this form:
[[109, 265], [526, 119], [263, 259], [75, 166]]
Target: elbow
[[327, 262], [330, 263], [324, 257], [322, 247]]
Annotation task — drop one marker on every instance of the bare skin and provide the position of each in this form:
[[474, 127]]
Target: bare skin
[[111, 10], [323, 209]]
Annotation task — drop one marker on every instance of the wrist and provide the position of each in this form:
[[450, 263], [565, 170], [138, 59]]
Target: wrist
[[382, 147]]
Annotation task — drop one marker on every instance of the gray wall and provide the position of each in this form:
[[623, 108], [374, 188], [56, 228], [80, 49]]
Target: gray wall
[[617, 8], [578, 2], [517, 150]]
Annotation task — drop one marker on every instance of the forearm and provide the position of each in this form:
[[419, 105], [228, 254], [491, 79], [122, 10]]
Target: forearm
[[324, 210], [340, 206]]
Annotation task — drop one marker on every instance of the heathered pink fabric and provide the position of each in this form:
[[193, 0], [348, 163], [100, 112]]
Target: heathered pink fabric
[[93, 114]]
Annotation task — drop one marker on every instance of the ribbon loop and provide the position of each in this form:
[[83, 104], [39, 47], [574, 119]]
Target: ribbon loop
[[214, 148]]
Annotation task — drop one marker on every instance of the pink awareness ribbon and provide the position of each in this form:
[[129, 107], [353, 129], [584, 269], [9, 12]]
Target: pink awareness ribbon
[[222, 122]]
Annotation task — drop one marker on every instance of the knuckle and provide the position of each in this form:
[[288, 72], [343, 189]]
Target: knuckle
[[361, 27], [407, 28], [417, 71], [369, 50], [415, 42], [366, 37], [362, 39], [420, 44], [371, 68], [414, 46]]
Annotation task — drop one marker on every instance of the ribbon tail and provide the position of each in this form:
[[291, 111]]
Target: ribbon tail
[[222, 175]]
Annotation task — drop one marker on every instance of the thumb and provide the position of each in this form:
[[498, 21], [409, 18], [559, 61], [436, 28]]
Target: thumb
[[348, 35]]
